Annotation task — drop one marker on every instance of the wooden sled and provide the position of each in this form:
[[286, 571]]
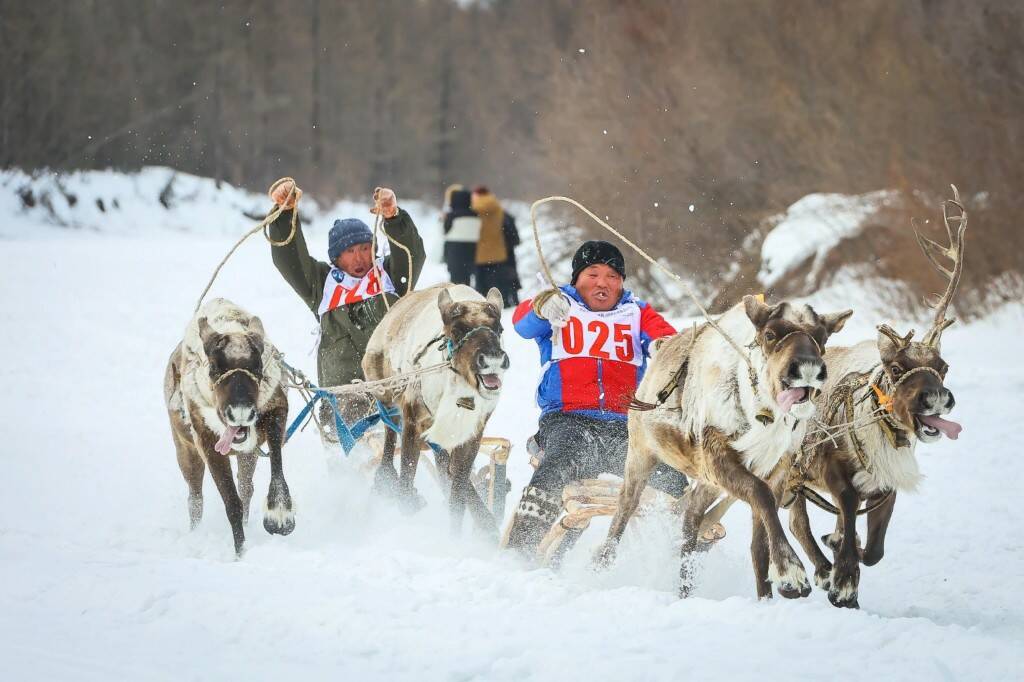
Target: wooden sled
[[586, 499]]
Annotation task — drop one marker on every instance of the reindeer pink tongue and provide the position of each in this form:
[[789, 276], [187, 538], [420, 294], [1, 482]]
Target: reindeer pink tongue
[[790, 397], [949, 429], [223, 446]]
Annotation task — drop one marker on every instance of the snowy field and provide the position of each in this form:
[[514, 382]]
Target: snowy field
[[102, 579]]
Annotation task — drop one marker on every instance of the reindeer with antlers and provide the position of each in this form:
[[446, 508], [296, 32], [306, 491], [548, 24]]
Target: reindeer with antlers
[[882, 397]]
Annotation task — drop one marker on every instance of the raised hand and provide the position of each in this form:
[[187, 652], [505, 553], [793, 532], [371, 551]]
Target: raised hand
[[553, 306], [384, 202], [285, 193]]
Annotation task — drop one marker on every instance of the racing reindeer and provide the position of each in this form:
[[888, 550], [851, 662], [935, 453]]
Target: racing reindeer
[[892, 395], [699, 411]]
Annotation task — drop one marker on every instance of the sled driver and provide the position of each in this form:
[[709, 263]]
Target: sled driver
[[589, 375], [346, 294]]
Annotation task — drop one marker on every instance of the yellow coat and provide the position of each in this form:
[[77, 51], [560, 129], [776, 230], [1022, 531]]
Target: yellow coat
[[491, 247]]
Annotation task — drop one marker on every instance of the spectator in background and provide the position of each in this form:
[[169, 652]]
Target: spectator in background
[[495, 250], [461, 232]]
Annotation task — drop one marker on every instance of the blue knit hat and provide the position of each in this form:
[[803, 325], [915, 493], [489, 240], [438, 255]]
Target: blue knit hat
[[347, 233]]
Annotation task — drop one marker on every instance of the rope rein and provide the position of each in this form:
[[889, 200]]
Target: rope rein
[[378, 226], [264, 226], [686, 287]]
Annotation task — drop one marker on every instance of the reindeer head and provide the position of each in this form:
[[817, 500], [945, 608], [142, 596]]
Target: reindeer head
[[915, 370], [792, 338], [236, 369], [474, 328]]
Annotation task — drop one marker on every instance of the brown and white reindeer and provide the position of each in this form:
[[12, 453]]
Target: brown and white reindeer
[[715, 425], [449, 408], [892, 393], [224, 396]]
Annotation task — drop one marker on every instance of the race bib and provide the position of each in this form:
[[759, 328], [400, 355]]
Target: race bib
[[341, 288], [610, 335]]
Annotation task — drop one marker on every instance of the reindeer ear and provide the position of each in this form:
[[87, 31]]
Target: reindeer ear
[[887, 349], [835, 321], [495, 299], [757, 311], [444, 303], [206, 333], [891, 343], [255, 326]]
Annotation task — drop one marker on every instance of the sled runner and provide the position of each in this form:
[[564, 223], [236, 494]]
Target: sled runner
[[588, 498]]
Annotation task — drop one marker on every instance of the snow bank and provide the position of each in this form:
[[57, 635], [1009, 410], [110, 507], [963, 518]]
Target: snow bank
[[811, 228]]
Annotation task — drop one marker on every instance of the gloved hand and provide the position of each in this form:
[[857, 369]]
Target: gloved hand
[[553, 306], [282, 195], [385, 202]]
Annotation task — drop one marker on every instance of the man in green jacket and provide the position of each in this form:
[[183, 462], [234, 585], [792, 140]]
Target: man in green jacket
[[347, 294]]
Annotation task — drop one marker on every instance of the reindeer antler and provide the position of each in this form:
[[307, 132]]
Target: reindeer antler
[[901, 342], [955, 253]]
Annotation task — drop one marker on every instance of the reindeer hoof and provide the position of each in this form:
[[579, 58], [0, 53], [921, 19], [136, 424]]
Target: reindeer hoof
[[604, 557], [823, 578], [791, 581], [411, 502], [385, 481], [279, 519], [843, 592]]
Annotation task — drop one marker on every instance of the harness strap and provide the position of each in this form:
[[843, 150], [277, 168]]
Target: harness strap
[[453, 348], [236, 370], [820, 502]]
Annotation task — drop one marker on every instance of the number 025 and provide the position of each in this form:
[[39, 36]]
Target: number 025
[[597, 334]]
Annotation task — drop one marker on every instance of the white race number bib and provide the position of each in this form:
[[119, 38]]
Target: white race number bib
[[341, 288], [610, 335]]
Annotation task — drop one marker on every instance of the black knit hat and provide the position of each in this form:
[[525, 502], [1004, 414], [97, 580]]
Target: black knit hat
[[597, 253]]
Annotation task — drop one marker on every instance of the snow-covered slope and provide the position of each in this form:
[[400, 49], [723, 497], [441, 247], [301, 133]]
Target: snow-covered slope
[[812, 227], [102, 579]]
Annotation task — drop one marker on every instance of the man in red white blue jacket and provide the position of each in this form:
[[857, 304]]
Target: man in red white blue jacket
[[593, 337]]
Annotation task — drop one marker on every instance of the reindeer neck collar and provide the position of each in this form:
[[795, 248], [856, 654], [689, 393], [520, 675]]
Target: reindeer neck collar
[[881, 399]]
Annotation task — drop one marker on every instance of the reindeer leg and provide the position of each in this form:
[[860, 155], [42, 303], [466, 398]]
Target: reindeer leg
[[407, 495], [278, 516], [760, 557], [785, 572], [846, 572], [385, 481], [800, 526], [878, 524], [639, 463], [246, 469], [220, 471], [699, 497], [463, 493], [192, 468]]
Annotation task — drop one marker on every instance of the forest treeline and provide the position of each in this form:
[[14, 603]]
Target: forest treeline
[[637, 108]]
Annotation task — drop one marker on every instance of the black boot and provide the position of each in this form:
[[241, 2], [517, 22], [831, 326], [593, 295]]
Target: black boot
[[537, 512]]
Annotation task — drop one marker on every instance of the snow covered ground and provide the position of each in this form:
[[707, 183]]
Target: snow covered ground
[[102, 579]]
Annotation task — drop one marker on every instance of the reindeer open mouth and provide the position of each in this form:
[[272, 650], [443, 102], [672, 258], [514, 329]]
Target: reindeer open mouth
[[795, 395], [928, 427], [491, 382], [233, 435]]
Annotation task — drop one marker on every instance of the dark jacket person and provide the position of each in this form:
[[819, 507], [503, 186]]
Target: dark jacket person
[[347, 294], [461, 232]]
